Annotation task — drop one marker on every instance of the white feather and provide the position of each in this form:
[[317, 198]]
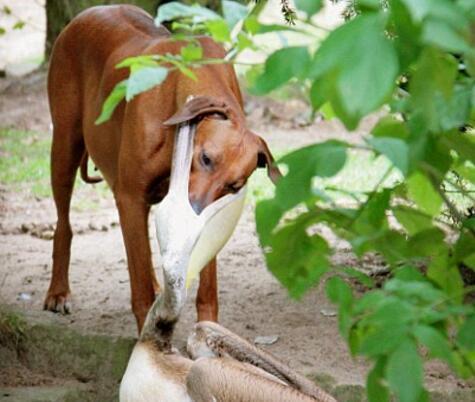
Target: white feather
[[143, 381]]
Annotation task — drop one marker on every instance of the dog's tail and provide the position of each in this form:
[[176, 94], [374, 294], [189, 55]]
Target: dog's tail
[[84, 175]]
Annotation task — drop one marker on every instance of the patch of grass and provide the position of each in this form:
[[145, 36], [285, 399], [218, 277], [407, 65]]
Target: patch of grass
[[24, 160], [25, 165]]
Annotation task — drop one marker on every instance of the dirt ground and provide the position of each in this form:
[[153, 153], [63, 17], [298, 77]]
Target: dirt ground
[[252, 303]]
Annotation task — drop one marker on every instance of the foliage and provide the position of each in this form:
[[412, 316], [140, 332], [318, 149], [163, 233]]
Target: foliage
[[17, 22], [418, 59]]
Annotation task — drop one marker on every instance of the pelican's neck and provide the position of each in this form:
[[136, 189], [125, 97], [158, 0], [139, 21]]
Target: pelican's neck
[[182, 157], [164, 312]]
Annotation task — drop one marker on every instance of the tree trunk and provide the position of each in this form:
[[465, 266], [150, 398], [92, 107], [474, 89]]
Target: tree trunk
[[60, 12]]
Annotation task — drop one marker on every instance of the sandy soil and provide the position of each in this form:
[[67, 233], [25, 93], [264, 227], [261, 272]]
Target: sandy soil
[[252, 303]]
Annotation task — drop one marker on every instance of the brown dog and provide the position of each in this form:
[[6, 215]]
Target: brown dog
[[133, 149]]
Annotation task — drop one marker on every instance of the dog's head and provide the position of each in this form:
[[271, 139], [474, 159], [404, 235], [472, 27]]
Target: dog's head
[[225, 151]]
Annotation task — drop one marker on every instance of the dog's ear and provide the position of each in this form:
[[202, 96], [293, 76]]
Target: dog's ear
[[198, 106], [265, 159]]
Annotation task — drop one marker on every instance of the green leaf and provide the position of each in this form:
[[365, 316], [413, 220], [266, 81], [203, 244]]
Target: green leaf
[[137, 62], [383, 340], [219, 30], [404, 372], [409, 274], [318, 92], [2, 31], [175, 10], [372, 216], [391, 312], [395, 149], [191, 52], [422, 192], [186, 71], [360, 276], [254, 27], [327, 111], [434, 77], [455, 112], [447, 276], [465, 336], [338, 291], [310, 7], [143, 80], [375, 384], [233, 12], [465, 247], [367, 5], [424, 291], [268, 214], [281, 66], [427, 243], [418, 9], [463, 144], [296, 259], [19, 25], [359, 66], [412, 220], [467, 172], [244, 41], [390, 127], [435, 341], [114, 98], [441, 34], [324, 160]]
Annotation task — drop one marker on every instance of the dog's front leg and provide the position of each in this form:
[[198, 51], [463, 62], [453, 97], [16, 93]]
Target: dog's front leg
[[134, 211], [207, 298]]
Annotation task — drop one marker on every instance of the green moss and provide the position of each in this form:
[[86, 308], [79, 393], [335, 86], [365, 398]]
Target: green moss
[[12, 331]]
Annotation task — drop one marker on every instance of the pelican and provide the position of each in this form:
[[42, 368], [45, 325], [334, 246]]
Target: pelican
[[223, 366]]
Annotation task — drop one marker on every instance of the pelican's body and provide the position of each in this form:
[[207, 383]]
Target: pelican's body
[[152, 376], [226, 368]]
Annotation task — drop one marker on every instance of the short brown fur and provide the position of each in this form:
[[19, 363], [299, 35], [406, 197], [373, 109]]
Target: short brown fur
[[133, 150]]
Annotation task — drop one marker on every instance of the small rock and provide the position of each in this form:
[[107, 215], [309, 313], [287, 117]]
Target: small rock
[[266, 340], [46, 235], [93, 226], [104, 228], [328, 312], [27, 280], [24, 296]]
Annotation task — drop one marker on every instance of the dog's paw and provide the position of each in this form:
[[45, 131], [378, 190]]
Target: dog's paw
[[58, 302]]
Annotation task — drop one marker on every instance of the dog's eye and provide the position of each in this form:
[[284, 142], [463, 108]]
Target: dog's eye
[[218, 116], [205, 160]]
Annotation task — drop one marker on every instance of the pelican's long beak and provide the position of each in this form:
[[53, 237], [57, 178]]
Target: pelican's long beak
[[189, 241], [218, 221]]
